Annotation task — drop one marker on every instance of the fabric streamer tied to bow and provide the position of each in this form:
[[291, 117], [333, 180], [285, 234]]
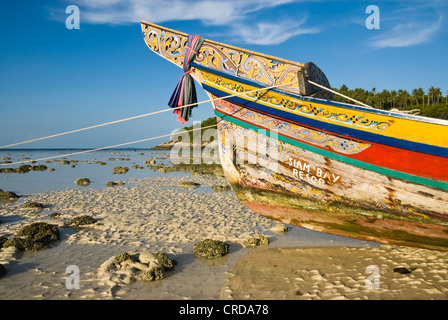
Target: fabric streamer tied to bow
[[185, 92]]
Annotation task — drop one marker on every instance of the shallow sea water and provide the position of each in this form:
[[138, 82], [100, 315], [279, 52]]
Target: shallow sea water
[[42, 275], [64, 175]]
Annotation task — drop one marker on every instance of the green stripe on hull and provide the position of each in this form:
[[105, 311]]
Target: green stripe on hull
[[326, 153]]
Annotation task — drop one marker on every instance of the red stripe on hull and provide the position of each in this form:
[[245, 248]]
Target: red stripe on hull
[[412, 162]]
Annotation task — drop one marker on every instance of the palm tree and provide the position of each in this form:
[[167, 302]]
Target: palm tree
[[393, 95], [418, 95], [431, 92], [343, 89], [402, 96], [437, 95], [406, 97], [385, 98]]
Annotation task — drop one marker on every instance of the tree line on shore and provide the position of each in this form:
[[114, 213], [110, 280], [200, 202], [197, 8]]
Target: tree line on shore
[[431, 102]]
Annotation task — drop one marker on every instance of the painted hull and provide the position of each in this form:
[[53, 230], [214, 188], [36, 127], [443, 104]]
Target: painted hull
[[316, 163]]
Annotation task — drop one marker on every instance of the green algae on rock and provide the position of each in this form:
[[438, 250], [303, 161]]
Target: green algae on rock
[[34, 237], [210, 248], [81, 221], [121, 258], [221, 188], [257, 241], [127, 268], [33, 205], [8, 195], [165, 261], [280, 229], [120, 170], [112, 184], [83, 182], [190, 184], [3, 239], [40, 167]]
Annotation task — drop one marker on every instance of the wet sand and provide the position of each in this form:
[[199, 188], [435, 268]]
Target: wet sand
[[157, 214], [337, 273]]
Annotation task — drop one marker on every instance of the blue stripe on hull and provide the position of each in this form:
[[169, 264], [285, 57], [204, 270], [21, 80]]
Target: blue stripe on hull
[[349, 132]]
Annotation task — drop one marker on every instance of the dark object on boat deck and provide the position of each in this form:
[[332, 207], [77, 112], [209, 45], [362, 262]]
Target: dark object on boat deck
[[312, 72]]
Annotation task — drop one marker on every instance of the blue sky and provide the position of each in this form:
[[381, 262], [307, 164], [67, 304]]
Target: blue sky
[[54, 79]]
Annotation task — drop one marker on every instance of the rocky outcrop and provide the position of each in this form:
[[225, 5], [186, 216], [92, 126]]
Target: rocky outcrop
[[127, 268]]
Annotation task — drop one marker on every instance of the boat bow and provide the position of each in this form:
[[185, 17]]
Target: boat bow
[[340, 168]]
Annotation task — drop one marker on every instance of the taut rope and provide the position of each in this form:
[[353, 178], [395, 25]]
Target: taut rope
[[141, 116], [103, 148], [342, 95]]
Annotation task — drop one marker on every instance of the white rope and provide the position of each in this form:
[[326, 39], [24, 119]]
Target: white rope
[[335, 92], [145, 115], [141, 116], [103, 148]]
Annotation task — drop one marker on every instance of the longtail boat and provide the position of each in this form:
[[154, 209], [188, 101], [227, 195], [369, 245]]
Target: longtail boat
[[345, 169]]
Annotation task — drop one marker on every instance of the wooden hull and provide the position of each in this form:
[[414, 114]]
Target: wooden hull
[[315, 163]]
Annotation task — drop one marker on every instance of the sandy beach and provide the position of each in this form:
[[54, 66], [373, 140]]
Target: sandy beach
[[158, 214]]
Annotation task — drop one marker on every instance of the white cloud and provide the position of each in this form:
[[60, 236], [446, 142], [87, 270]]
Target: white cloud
[[234, 14], [215, 12], [267, 33], [407, 34]]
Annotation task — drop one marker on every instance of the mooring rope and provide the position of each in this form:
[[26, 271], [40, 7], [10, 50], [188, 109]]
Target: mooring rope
[[104, 148], [143, 115], [342, 95], [146, 115]]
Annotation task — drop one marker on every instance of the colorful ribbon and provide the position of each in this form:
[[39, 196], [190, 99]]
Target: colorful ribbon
[[185, 92]]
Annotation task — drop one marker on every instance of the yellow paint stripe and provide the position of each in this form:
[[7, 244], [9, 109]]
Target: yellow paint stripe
[[405, 129]]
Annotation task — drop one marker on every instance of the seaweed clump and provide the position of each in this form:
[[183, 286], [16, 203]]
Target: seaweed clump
[[3, 239], [257, 241], [122, 257], [33, 205], [190, 184], [221, 188], [165, 261], [210, 248], [112, 184], [40, 167], [157, 266], [83, 182], [81, 221], [55, 215], [120, 170], [8, 195], [127, 268], [34, 237]]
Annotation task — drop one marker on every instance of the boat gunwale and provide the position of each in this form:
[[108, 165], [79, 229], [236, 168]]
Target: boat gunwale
[[295, 63], [366, 136]]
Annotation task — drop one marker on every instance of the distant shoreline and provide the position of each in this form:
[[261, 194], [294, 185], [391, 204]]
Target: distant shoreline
[[59, 149]]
